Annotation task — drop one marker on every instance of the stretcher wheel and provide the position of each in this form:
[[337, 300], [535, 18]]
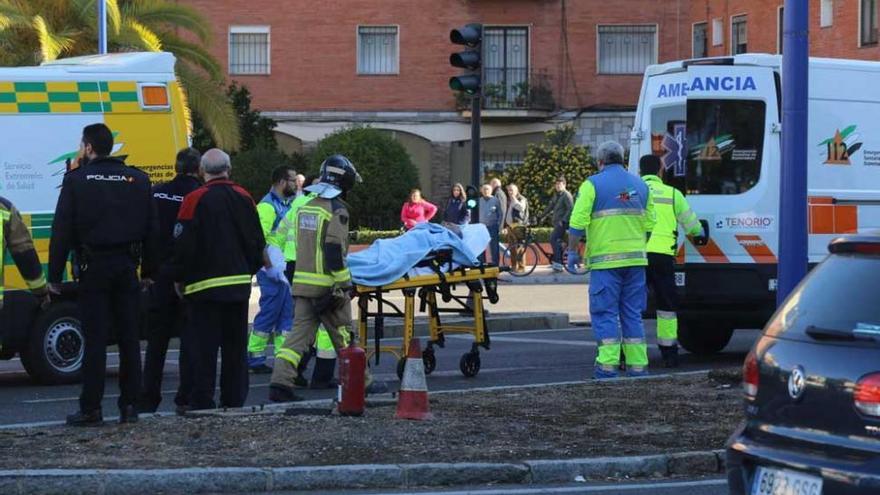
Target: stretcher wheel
[[430, 360], [401, 366], [469, 364]]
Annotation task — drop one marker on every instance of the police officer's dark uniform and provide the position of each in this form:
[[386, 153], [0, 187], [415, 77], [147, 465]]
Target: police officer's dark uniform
[[105, 213], [167, 315], [218, 247]]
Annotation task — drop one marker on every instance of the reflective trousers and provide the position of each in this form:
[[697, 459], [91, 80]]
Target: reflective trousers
[[275, 317], [661, 279], [617, 298]]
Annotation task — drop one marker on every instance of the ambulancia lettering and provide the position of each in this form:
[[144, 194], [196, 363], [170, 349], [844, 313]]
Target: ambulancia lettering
[[714, 83]]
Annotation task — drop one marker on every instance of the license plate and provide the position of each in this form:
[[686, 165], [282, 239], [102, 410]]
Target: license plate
[[679, 279], [778, 482]]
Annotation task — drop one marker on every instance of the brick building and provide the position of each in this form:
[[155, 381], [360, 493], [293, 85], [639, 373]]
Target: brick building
[[318, 66], [838, 28]]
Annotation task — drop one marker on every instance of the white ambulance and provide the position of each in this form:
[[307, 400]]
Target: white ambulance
[[42, 113], [716, 124]]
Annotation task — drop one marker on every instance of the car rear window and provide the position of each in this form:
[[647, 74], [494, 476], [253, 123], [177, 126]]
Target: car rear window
[[840, 294]]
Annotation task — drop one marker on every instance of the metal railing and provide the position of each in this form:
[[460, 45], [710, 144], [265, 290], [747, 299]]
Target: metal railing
[[513, 89]]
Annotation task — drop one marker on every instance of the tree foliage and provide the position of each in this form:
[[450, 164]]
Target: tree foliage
[[255, 130], [556, 156], [253, 168], [386, 168]]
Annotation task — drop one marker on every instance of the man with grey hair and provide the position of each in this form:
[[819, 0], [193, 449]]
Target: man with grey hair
[[614, 212], [219, 246]]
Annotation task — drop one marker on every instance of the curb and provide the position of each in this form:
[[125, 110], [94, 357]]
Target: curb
[[359, 476]]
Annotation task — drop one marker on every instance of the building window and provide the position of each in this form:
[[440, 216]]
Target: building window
[[627, 49], [378, 50], [826, 13], [249, 50], [780, 30], [701, 41], [505, 65], [868, 28], [717, 32], [738, 38]]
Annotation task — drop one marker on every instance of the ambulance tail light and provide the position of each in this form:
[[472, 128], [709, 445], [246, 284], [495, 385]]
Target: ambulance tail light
[[154, 96]]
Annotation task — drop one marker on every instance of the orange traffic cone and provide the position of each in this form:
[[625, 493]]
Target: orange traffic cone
[[412, 402]]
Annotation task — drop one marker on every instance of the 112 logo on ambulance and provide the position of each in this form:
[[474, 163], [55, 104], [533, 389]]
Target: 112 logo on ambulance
[[838, 149]]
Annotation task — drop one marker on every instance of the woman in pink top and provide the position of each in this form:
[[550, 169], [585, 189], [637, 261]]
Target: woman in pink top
[[416, 210]]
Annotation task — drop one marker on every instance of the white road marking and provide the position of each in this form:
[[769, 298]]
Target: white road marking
[[585, 489], [519, 340]]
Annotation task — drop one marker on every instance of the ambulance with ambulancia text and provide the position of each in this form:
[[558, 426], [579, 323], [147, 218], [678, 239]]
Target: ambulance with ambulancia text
[[42, 113], [716, 125]]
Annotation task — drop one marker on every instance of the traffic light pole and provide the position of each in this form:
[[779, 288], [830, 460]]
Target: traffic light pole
[[102, 26], [476, 107], [793, 178]]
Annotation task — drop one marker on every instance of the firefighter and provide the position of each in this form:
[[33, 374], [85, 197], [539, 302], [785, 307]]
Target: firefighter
[[321, 282], [106, 214], [167, 317], [672, 209], [275, 316], [218, 247], [325, 362], [15, 237], [615, 212]]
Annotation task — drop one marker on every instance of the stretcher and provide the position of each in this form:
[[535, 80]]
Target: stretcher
[[480, 282]]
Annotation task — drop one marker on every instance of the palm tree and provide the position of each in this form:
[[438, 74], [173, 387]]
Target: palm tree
[[34, 31]]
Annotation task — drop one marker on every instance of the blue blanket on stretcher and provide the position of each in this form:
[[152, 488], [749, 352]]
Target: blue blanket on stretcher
[[388, 260]]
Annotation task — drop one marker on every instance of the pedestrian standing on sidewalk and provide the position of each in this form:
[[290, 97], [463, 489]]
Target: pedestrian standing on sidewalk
[[106, 214], [456, 211], [219, 246], [300, 185], [275, 316], [500, 194], [490, 216], [417, 210], [614, 212], [515, 219], [167, 313], [559, 211]]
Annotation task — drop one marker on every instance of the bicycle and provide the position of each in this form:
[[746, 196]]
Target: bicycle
[[529, 249]]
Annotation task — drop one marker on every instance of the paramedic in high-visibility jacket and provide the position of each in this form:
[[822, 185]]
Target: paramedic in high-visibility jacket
[[614, 212], [15, 237], [275, 317], [321, 281], [218, 247], [672, 210]]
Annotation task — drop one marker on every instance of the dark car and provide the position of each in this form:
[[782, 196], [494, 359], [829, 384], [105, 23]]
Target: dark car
[[812, 385]]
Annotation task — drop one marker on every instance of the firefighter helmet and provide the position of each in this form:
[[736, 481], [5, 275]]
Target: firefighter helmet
[[338, 176]]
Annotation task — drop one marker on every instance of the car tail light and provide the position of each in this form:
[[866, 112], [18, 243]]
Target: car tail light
[[867, 395], [750, 376]]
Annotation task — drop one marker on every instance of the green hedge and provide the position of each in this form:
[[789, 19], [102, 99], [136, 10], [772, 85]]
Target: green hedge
[[542, 234]]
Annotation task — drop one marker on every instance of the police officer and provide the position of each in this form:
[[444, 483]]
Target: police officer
[[218, 247], [15, 237], [615, 212], [166, 311], [672, 209], [321, 281], [106, 214], [275, 317]]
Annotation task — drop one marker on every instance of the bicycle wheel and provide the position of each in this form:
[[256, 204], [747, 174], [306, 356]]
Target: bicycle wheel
[[529, 257], [580, 268]]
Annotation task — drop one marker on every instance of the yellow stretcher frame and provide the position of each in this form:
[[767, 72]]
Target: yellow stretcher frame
[[478, 280]]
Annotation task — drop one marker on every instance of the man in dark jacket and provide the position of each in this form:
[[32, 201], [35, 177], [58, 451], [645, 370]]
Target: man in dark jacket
[[167, 317], [501, 195], [559, 210], [219, 246], [106, 214]]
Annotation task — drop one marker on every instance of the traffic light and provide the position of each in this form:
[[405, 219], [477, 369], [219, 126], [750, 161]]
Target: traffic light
[[471, 37], [472, 194]]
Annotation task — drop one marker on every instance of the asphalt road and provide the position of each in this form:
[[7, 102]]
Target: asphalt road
[[533, 357], [676, 487]]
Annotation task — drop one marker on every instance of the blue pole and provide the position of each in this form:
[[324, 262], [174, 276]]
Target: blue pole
[[793, 177], [102, 26]]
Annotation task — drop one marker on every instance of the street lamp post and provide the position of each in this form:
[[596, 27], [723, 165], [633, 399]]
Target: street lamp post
[[102, 26], [793, 178]]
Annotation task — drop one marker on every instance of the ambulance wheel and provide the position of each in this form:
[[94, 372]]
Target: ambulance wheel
[[703, 337], [469, 364], [401, 366], [54, 352], [430, 360]]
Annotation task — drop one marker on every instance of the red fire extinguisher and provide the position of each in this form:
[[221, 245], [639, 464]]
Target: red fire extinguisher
[[352, 369]]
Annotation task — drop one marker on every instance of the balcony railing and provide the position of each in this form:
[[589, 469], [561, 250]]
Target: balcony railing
[[513, 89]]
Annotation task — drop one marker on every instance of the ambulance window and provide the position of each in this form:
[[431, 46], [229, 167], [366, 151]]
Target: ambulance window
[[725, 140], [668, 131]]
